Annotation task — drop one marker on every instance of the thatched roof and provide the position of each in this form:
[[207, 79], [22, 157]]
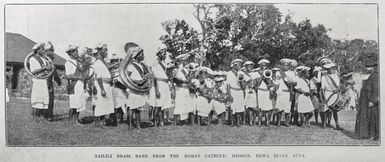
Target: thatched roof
[[18, 46]]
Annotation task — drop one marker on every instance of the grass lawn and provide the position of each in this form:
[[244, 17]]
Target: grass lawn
[[22, 131]]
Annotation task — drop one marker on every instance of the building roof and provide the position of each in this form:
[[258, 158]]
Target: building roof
[[18, 47]]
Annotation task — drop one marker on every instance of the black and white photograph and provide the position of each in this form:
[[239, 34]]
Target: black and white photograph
[[191, 74]]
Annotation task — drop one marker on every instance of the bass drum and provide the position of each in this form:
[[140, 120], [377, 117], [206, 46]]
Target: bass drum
[[336, 101]]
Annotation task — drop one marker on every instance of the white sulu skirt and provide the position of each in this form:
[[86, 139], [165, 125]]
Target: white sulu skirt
[[264, 101], [78, 100], [283, 102], [104, 105], [305, 104], [203, 106], [120, 98], [218, 107], [184, 102], [39, 95], [238, 104], [165, 96], [251, 100]]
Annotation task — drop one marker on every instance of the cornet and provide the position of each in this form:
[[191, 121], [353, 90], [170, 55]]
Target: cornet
[[241, 78], [268, 74]]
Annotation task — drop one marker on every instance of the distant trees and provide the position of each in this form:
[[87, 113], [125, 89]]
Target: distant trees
[[255, 31]]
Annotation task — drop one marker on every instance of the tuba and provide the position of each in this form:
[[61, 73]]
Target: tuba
[[43, 74], [143, 87]]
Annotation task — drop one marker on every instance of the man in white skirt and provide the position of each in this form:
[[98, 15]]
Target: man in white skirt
[[104, 104], [160, 94], [330, 83], [251, 97], [294, 102], [119, 92], [75, 88], [136, 71], [185, 102], [235, 91], [265, 103], [203, 101], [305, 105], [284, 83], [39, 95], [219, 98]]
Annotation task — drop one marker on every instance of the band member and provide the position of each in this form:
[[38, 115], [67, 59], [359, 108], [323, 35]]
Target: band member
[[305, 104], [264, 95], [39, 95], [330, 84], [139, 73], [184, 101], [273, 93], [91, 88], [75, 87], [203, 100], [219, 97], [367, 120], [315, 87], [284, 82], [294, 102], [251, 97], [119, 92], [235, 91], [49, 50], [160, 94], [104, 104]]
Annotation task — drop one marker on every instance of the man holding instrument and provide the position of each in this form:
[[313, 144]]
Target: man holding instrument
[[39, 96], [160, 94], [235, 92], [330, 84], [49, 50], [264, 85], [251, 97], [285, 82], [119, 93], [139, 73], [75, 87]]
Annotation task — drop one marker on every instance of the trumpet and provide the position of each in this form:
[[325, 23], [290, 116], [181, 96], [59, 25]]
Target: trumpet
[[268, 74], [241, 78]]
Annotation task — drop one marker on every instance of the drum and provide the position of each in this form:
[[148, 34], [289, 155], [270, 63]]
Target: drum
[[336, 101]]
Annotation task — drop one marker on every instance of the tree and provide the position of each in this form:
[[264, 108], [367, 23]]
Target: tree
[[255, 31]]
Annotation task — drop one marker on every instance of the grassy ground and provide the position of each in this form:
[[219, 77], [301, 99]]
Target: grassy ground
[[22, 131]]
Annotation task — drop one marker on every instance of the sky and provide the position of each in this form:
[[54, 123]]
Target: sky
[[86, 25]]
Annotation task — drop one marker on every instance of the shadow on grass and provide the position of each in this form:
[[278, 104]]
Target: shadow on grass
[[87, 120], [350, 134], [57, 118]]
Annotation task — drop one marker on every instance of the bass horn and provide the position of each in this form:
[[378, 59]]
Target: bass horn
[[148, 76], [44, 74]]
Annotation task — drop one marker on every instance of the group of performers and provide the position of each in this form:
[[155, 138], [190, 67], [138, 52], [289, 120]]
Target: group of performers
[[286, 93]]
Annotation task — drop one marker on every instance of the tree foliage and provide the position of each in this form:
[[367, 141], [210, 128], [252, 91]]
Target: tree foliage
[[255, 31]]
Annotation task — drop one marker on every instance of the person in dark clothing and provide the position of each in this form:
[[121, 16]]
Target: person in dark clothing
[[367, 120], [49, 49]]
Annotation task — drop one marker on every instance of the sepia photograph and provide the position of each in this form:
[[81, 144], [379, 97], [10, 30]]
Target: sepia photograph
[[191, 74]]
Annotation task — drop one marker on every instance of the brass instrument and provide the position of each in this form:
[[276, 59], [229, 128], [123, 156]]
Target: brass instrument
[[204, 90], [241, 78], [43, 74], [268, 74], [146, 83]]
